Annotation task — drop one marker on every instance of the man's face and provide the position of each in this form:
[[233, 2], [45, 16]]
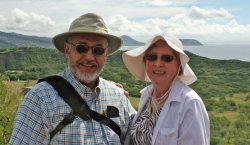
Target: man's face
[[85, 65]]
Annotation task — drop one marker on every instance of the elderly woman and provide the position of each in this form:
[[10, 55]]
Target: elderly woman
[[170, 112]]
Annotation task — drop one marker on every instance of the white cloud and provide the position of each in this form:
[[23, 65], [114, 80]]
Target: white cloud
[[205, 25], [140, 18], [2, 21], [26, 23], [158, 2], [233, 27], [161, 3], [200, 13], [121, 25]]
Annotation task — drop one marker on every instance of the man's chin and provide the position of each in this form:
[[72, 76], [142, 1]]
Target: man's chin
[[83, 76], [86, 77]]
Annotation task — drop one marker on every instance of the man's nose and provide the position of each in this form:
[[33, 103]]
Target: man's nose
[[89, 55]]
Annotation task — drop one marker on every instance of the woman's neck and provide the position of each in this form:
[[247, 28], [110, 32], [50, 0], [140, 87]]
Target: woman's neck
[[160, 91]]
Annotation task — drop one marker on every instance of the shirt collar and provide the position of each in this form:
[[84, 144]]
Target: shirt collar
[[175, 92], [80, 88]]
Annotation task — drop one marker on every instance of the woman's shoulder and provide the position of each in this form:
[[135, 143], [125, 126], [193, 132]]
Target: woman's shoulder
[[147, 90], [186, 92]]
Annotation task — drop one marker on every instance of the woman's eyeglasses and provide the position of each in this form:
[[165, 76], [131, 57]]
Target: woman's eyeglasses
[[84, 48], [154, 57]]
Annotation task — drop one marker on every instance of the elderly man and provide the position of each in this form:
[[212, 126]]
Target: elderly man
[[86, 46]]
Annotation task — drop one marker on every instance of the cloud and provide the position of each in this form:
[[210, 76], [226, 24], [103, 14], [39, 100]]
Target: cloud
[[27, 23], [233, 27], [199, 13], [120, 25], [196, 22], [135, 20], [162, 3], [2, 21], [158, 3]]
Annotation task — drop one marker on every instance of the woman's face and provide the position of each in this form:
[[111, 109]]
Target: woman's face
[[162, 63]]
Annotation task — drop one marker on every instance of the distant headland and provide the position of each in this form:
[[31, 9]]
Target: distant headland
[[14, 40], [128, 41]]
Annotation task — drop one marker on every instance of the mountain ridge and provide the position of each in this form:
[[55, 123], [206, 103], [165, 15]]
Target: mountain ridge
[[14, 40]]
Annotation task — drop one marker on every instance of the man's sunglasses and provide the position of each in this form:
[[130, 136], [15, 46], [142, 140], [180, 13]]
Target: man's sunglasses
[[84, 48], [154, 57]]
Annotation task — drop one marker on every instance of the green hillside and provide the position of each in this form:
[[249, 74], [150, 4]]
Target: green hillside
[[30, 63], [224, 86]]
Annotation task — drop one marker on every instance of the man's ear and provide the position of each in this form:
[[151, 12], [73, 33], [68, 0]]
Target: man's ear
[[66, 48], [107, 51]]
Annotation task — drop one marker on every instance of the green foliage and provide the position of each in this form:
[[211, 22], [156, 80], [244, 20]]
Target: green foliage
[[3, 89], [248, 97], [216, 78], [224, 133], [31, 63], [10, 98], [6, 122]]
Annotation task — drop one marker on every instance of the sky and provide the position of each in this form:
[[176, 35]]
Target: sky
[[208, 21]]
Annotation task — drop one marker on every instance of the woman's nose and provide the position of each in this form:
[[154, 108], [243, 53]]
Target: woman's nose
[[158, 62]]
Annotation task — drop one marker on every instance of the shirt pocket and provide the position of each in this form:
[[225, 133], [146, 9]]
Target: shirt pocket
[[167, 136]]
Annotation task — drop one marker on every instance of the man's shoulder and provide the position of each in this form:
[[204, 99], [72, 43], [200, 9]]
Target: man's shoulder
[[39, 94], [110, 85], [106, 82], [40, 88]]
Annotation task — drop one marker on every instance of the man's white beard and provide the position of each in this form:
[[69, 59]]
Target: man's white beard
[[84, 77]]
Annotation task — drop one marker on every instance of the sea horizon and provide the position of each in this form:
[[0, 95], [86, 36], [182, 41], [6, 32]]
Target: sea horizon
[[216, 51]]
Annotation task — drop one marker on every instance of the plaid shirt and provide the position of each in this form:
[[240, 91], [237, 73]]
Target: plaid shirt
[[42, 109]]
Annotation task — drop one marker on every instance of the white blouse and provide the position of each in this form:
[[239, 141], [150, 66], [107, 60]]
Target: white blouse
[[183, 119]]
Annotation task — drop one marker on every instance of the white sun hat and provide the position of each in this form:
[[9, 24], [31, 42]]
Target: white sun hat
[[133, 59]]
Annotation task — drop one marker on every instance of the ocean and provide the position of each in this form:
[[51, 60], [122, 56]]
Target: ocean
[[215, 51]]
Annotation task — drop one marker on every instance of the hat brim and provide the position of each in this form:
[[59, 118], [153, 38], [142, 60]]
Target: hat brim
[[114, 42], [133, 60]]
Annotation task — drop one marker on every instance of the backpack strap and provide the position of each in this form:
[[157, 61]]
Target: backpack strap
[[79, 107], [69, 118]]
